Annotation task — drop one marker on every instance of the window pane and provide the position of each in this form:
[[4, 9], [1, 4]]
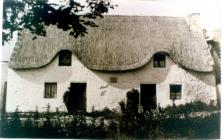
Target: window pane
[[155, 63], [162, 64], [49, 88], [178, 95], [46, 91], [54, 91]]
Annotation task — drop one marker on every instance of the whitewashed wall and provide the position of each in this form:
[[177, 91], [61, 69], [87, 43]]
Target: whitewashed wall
[[26, 87]]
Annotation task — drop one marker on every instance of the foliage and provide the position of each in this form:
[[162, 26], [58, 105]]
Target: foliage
[[34, 15], [105, 113], [173, 122], [132, 102], [186, 109], [159, 123], [215, 45]]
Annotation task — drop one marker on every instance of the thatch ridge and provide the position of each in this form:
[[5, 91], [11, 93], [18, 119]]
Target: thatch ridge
[[119, 43]]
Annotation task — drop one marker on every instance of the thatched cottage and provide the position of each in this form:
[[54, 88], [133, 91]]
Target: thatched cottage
[[165, 58]]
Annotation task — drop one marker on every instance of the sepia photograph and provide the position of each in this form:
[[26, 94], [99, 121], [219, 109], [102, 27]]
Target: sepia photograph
[[111, 69]]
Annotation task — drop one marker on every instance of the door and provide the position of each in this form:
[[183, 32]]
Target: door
[[148, 96], [77, 97]]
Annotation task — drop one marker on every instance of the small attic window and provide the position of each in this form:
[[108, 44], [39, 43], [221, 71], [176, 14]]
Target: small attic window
[[113, 80], [159, 60], [65, 58]]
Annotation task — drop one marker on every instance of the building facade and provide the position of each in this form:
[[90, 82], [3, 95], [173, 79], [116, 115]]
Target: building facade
[[165, 58]]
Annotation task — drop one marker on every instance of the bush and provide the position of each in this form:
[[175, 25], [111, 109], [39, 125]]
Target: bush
[[132, 102], [106, 113], [188, 108], [170, 122]]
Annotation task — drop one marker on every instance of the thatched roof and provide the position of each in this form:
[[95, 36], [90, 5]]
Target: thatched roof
[[119, 43]]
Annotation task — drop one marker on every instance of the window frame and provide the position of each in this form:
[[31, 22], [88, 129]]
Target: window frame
[[49, 95], [176, 95], [62, 54], [158, 60]]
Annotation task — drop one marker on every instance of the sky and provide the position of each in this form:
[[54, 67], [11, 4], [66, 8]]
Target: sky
[[210, 12], [208, 9]]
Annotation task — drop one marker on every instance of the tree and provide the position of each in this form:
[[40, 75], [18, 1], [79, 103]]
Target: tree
[[215, 52], [34, 15]]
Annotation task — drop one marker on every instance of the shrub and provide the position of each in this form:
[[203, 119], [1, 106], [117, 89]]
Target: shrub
[[132, 102], [188, 108], [171, 122], [160, 123], [106, 113]]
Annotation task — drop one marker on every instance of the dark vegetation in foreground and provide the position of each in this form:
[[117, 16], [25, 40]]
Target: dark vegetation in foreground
[[192, 120]]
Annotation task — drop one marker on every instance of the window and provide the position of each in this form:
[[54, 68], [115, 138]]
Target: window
[[50, 90], [65, 58], [175, 92], [113, 80], [159, 60]]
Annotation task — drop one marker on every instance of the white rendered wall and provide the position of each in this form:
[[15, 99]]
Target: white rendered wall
[[26, 87]]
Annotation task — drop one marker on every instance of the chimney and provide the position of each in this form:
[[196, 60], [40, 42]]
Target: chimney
[[193, 20]]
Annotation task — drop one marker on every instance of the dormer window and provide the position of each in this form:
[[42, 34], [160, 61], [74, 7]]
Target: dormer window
[[159, 60], [65, 58]]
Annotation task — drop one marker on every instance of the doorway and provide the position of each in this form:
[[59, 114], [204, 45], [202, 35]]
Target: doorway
[[77, 97], [148, 96]]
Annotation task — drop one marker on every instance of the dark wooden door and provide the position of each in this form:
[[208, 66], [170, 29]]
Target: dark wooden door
[[148, 96], [77, 97]]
